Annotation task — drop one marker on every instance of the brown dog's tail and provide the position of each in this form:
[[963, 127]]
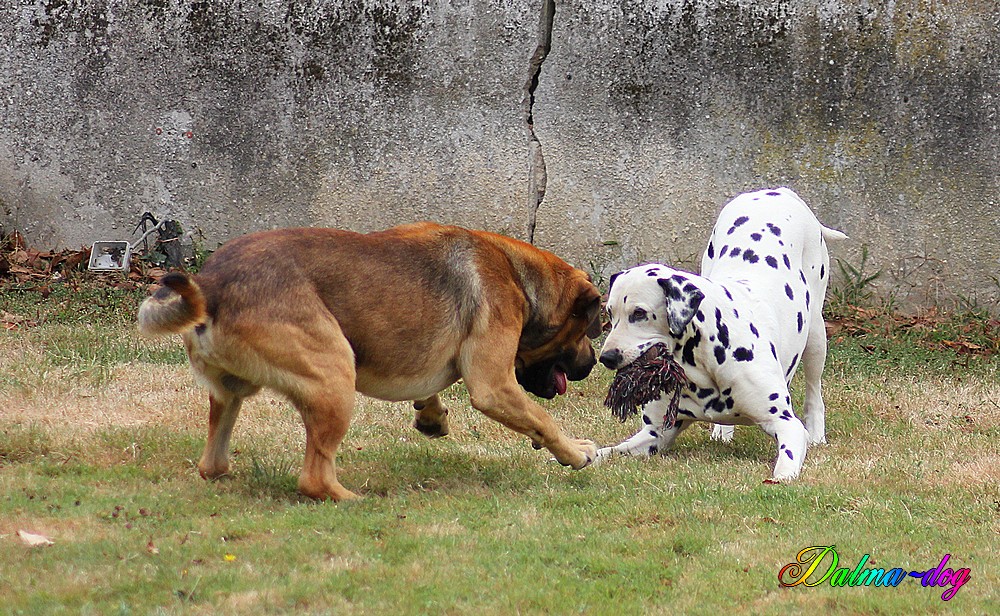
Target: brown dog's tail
[[178, 305]]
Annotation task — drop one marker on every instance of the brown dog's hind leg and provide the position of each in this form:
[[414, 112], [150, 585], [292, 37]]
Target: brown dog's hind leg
[[224, 408], [326, 418], [301, 352], [432, 417]]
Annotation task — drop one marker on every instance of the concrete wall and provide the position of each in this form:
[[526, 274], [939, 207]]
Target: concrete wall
[[608, 132]]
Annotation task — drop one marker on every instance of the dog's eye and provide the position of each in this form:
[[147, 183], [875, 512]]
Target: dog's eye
[[637, 315]]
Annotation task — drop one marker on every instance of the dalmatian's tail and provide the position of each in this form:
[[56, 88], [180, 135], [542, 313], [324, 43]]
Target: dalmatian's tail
[[178, 305], [832, 234]]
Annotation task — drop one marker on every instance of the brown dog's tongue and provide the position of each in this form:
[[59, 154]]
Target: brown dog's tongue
[[560, 377]]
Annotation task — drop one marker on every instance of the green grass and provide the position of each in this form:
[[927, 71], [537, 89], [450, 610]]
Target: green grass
[[101, 430]]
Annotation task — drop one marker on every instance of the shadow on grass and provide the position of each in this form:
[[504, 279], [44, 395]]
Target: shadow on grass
[[393, 469]]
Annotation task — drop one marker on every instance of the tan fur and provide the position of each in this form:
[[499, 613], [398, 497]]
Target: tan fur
[[176, 306], [318, 314]]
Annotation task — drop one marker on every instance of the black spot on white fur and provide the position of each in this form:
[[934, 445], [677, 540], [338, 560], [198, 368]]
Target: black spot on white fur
[[723, 329], [739, 222], [791, 367], [687, 354]]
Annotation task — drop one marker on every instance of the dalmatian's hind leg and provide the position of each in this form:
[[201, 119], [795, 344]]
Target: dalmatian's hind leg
[[813, 362]]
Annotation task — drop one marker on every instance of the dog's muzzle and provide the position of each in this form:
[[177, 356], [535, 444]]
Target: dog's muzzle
[[548, 379], [612, 359]]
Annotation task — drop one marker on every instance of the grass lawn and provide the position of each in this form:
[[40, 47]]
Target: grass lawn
[[100, 432]]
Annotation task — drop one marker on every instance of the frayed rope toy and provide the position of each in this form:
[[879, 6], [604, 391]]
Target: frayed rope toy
[[654, 373]]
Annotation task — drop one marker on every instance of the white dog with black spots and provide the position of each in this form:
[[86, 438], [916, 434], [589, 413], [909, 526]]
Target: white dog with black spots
[[739, 330]]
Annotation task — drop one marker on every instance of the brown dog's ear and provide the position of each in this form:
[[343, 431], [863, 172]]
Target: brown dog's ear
[[596, 328], [588, 306]]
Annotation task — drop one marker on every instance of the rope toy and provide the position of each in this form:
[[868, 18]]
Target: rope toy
[[654, 373]]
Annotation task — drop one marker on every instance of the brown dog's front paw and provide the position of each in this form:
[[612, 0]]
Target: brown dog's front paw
[[433, 429], [583, 452], [213, 472], [432, 417]]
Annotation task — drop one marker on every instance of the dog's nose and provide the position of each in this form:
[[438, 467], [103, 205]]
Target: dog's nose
[[611, 359]]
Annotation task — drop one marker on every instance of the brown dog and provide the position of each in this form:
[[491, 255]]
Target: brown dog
[[318, 314]]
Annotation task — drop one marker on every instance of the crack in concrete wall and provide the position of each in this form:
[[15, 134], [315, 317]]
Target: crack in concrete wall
[[233, 116], [537, 177]]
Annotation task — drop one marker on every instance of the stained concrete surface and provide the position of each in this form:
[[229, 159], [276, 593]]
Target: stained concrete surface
[[607, 132]]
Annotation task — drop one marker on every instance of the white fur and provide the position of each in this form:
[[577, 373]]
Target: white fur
[[759, 312]]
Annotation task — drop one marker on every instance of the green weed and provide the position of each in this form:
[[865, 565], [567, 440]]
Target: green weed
[[855, 287]]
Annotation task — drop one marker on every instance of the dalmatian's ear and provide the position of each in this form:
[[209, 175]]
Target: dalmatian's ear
[[611, 281], [682, 303]]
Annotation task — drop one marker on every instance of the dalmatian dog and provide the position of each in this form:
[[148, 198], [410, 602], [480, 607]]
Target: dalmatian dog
[[739, 330]]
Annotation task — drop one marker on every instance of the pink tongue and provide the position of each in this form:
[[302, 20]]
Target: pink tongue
[[560, 377]]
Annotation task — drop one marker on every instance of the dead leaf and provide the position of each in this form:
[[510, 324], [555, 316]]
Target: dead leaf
[[833, 328], [961, 346], [32, 539], [11, 322], [13, 241]]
